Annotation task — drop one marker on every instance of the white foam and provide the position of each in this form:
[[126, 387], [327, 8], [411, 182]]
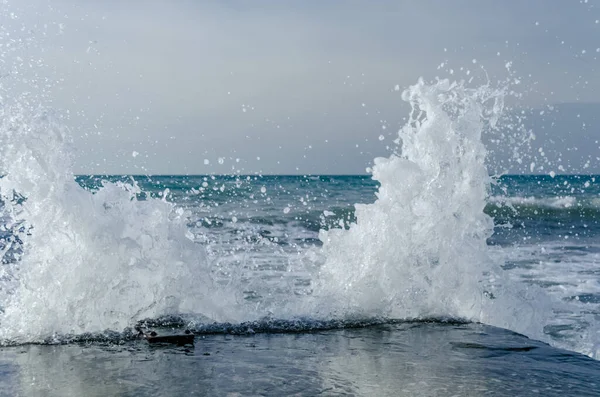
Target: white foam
[[420, 250], [91, 261], [560, 202], [425, 235]]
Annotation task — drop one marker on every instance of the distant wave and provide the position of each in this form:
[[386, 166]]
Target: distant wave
[[554, 202], [544, 202]]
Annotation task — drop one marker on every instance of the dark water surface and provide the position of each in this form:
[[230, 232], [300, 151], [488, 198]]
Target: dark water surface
[[407, 359]]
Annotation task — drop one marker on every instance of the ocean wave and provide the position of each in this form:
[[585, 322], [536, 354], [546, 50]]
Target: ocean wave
[[556, 202], [582, 210]]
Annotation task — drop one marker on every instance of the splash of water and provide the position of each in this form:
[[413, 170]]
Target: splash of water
[[89, 262], [420, 250]]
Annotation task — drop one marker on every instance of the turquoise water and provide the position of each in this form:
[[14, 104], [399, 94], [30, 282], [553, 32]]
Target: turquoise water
[[534, 205]]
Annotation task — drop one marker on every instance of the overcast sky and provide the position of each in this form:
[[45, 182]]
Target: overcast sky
[[297, 86]]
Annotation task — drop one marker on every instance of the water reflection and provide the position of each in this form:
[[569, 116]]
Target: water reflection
[[389, 360]]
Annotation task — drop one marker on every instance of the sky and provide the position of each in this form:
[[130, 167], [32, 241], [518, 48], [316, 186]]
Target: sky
[[298, 87]]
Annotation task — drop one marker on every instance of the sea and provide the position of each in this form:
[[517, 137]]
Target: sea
[[426, 277]]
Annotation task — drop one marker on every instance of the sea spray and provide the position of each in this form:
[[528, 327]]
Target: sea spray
[[420, 250], [89, 262], [79, 261]]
